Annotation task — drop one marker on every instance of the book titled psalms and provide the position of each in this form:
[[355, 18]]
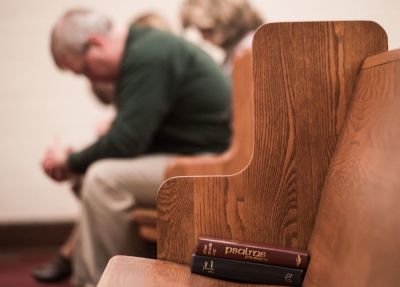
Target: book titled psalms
[[252, 252]]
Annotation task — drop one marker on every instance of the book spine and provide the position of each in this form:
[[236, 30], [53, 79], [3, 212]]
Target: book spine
[[252, 253], [246, 272]]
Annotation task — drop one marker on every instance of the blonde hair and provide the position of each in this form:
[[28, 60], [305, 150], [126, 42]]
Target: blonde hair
[[152, 20], [227, 21], [71, 32]]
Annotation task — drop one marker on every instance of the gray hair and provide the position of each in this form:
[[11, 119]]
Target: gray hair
[[228, 20], [70, 34]]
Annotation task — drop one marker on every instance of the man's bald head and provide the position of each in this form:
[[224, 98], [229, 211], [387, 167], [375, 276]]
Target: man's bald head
[[70, 35]]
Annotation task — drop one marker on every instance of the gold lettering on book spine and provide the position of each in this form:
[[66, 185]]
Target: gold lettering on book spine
[[209, 250], [247, 253], [289, 277], [298, 260], [208, 266]]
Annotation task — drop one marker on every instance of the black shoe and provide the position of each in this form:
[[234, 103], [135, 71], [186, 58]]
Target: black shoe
[[58, 269]]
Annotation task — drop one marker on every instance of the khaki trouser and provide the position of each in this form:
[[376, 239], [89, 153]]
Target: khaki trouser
[[110, 190]]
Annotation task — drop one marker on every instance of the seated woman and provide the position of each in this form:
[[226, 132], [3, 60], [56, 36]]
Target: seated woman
[[229, 24]]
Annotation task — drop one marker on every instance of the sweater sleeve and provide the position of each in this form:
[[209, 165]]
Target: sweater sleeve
[[144, 102]]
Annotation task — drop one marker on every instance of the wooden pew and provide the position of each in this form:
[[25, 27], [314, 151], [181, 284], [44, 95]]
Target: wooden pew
[[356, 235], [303, 80], [357, 232], [233, 160], [304, 75]]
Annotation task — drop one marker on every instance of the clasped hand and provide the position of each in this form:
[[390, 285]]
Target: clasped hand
[[54, 163]]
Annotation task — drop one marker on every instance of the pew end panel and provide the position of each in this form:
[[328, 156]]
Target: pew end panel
[[304, 75]]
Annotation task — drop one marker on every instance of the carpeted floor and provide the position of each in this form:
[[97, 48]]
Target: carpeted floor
[[16, 266]]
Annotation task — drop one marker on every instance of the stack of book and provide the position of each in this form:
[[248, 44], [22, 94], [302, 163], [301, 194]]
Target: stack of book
[[249, 262]]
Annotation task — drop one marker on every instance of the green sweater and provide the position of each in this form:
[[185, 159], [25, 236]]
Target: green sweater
[[171, 98]]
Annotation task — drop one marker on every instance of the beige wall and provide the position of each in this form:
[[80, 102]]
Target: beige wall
[[39, 103]]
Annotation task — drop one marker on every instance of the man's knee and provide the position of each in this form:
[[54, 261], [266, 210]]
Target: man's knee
[[97, 180]]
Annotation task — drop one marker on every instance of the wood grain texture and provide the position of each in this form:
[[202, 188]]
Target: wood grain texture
[[304, 75], [357, 232], [124, 271], [176, 204]]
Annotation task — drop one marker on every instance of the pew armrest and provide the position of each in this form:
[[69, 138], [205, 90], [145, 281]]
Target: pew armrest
[[144, 216], [124, 271]]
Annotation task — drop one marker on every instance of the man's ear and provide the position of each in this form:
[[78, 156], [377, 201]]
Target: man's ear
[[96, 40]]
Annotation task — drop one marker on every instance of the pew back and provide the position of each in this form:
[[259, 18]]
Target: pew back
[[357, 232]]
